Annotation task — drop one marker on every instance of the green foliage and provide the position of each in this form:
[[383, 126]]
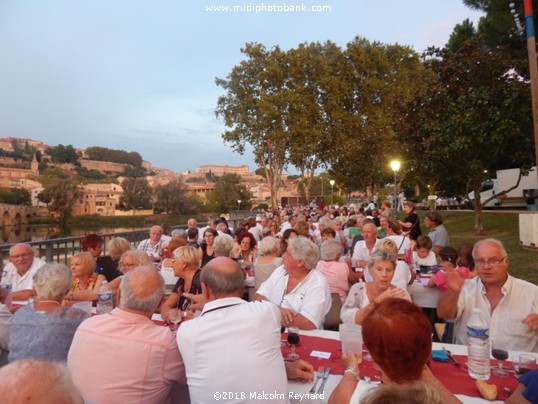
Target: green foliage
[[15, 196], [89, 174], [62, 154], [60, 196], [116, 156], [462, 32], [173, 198], [228, 190], [137, 193], [131, 171]]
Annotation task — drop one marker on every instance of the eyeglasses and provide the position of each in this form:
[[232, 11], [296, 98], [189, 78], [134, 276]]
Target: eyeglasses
[[16, 257], [491, 262]]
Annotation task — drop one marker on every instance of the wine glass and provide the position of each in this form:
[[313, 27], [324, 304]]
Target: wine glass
[[175, 319], [293, 340], [499, 352]]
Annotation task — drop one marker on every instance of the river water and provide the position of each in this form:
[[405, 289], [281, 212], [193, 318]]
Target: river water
[[14, 234]]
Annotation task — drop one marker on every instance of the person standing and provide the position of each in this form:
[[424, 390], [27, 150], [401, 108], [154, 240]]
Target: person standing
[[411, 222]]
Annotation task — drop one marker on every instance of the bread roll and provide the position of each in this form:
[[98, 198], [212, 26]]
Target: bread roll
[[488, 391]]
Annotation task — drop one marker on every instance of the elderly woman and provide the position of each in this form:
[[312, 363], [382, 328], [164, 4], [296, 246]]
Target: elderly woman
[[205, 251], [109, 263], [399, 338], [338, 273], [245, 249], [129, 259], [44, 329], [85, 281], [301, 292], [268, 260], [186, 264], [364, 297], [403, 274]]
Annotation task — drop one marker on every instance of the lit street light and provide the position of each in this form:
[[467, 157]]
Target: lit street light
[[239, 204], [332, 191], [395, 165]]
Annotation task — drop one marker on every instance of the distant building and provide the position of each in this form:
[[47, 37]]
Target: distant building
[[221, 170], [98, 199]]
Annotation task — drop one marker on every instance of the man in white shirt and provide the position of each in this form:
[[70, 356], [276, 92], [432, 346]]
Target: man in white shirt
[[509, 305], [20, 271], [153, 244], [233, 346]]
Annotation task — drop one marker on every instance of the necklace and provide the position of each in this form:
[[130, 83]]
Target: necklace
[[49, 301]]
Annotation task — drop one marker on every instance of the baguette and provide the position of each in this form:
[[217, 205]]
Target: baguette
[[488, 391]]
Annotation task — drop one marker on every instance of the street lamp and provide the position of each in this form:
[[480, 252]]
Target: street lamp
[[239, 204], [332, 191], [395, 165]]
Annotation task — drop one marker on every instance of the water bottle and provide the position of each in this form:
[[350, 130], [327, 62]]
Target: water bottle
[[104, 299], [478, 346]]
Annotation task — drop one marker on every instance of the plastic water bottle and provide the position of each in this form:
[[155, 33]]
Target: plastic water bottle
[[104, 299], [478, 346]]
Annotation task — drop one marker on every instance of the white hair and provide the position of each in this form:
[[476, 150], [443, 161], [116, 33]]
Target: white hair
[[223, 245], [303, 249], [268, 245], [52, 280], [330, 249]]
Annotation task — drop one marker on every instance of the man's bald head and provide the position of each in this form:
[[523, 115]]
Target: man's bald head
[[142, 289], [223, 277]]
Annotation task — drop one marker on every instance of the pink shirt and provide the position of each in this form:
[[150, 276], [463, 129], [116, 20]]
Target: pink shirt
[[440, 280], [336, 274], [124, 357]]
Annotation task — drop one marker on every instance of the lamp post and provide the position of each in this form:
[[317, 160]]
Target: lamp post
[[332, 191], [239, 204], [395, 165]]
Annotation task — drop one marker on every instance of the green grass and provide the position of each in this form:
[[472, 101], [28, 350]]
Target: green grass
[[503, 226]]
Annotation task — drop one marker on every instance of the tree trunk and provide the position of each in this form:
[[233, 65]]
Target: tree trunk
[[478, 228]]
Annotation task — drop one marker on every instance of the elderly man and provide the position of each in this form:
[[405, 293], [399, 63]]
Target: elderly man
[[152, 245], [509, 305], [123, 357], [363, 248], [234, 346], [438, 234], [20, 271]]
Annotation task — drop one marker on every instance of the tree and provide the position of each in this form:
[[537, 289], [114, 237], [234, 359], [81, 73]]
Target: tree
[[173, 198], [116, 156], [137, 194], [474, 117], [15, 196], [462, 32], [62, 154], [60, 195], [228, 190]]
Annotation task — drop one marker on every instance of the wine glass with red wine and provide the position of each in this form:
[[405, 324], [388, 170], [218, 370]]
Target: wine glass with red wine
[[293, 340], [499, 352]]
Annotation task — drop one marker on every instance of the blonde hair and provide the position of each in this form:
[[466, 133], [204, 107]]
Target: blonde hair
[[188, 255], [139, 257], [117, 246], [388, 246], [87, 260]]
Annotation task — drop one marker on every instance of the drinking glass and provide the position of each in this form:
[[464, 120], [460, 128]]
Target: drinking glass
[[499, 352], [526, 363], [293, 340], [175, 319]]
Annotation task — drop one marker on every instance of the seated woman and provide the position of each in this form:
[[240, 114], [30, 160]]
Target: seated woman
[[364, 297], [44, 329], [338, 274], [129, 259], [93, 243], [109, 263], [301, 292], [205, 251], [267, 261], [85, 281], [186, 264], [245, 249], [399, 337]]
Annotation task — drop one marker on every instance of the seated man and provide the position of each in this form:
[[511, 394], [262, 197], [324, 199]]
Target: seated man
[[123, 357], [152, 245], [234, 345], [508, 304], [20, 271]]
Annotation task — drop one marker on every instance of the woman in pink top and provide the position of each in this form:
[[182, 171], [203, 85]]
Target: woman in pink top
[[448, 257], [338, 273]]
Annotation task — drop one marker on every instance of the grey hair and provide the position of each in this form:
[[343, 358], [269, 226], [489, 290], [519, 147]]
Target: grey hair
[[269, 245], [381, 255], [330, 249], [52, 280], [223, 245], [498, 243], [131, 299], [325, 222], [223, 283], [117, 246], [303, 249], [37, 380], [28, 247], [179, 234], [415, 393]]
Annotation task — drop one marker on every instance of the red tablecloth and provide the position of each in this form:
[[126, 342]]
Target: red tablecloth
[[456, 379]]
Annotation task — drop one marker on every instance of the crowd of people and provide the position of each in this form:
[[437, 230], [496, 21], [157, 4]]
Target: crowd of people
[[237, 287]]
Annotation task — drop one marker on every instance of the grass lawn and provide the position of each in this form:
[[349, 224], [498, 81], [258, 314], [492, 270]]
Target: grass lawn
[[503, 226]]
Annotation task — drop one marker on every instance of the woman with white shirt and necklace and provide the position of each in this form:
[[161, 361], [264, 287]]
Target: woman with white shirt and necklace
[[301, 292]]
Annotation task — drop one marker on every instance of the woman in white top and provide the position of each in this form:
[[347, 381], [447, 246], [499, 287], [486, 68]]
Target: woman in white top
[[363, 297]]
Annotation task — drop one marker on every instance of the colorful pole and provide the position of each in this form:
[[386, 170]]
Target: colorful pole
[[533, 69]]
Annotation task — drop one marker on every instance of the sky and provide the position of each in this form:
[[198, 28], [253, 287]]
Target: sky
[[139, 75]]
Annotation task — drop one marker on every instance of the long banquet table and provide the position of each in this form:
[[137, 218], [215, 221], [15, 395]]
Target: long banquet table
[[363, 387]]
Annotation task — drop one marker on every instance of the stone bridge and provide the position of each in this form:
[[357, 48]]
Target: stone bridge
[[15, 215]]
